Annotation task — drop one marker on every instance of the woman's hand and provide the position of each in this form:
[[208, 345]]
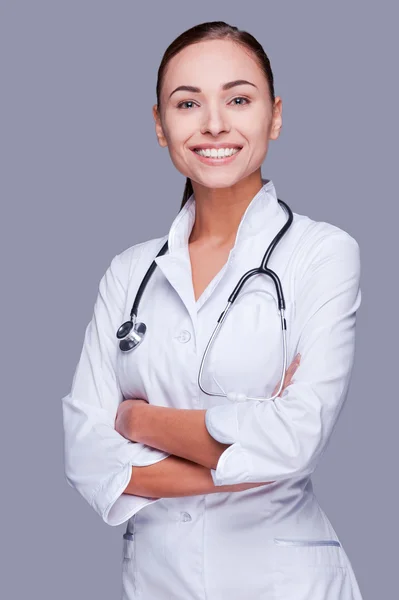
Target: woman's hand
[[126, 417], [288, 375]]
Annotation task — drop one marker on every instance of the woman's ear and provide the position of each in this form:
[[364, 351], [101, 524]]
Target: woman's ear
[[158, 127], [277, 120]]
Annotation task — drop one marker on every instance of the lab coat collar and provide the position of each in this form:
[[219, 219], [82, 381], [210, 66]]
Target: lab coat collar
[[260, 222], [257, 217]]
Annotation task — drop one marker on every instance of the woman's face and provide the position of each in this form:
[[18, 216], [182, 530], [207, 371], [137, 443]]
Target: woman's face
[[240, 115]]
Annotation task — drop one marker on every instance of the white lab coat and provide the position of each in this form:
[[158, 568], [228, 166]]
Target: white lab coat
[[266, 542]]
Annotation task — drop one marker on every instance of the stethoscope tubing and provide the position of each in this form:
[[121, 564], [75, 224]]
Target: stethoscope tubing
[[131, 336], [263, 270], [234, 396]]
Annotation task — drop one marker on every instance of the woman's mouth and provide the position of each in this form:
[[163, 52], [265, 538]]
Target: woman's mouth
[[216, 160]]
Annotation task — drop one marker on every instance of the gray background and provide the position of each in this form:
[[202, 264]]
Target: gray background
[[83, 178]]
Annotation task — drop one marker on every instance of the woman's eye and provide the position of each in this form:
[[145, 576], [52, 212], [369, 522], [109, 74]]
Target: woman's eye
[[241, 98], [186, 102]]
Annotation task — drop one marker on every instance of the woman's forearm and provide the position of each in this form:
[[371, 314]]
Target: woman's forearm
[[177, 431], [175, 476]]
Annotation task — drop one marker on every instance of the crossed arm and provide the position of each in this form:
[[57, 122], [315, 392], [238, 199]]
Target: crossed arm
[[183, 434]]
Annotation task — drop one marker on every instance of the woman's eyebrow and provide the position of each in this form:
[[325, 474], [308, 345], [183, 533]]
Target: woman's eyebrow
[[225, 86]]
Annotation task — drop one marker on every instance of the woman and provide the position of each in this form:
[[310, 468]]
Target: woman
[[224, 480]]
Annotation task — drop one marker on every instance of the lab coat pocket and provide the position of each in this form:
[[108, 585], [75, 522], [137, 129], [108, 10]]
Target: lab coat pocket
[[303, 542], [309, 568], [300, 552]]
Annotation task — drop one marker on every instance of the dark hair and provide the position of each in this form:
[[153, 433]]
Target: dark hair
[[214, 30]]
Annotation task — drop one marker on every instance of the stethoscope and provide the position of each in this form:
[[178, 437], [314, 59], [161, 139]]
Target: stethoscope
[[131, 333]]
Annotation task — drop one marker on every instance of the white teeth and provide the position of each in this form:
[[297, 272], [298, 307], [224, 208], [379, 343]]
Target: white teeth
[[220, 153]]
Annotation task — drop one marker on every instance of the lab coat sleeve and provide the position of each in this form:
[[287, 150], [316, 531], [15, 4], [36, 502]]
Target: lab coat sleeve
[[98, 460], [284, 438]]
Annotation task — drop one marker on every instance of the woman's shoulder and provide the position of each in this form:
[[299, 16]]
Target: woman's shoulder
[[142, 250], [313, 231], [123, 264], [321, 240]]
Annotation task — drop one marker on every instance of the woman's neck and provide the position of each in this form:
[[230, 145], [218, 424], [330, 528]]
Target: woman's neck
[[218, 211]]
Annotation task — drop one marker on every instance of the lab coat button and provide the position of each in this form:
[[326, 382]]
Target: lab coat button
[[185, 516], [184, 336]]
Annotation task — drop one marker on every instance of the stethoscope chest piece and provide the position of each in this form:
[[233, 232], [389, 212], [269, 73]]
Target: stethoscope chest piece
[[131, 335]]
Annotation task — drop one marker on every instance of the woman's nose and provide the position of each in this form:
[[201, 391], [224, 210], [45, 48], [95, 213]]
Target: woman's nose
[[214, 121]]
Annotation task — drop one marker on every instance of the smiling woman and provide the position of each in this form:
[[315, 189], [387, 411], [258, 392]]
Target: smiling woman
[[226, 102], [216, 488]]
